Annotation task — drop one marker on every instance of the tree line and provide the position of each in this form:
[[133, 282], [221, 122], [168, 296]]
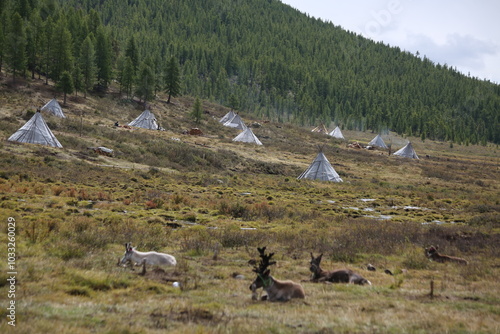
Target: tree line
[[260, 56], [76, 51]]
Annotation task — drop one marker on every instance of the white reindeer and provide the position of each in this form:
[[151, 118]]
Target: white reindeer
[[152, 258]]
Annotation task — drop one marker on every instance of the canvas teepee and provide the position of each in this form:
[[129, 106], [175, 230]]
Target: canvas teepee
[[54, 108], [407, 152], [227, 117], [145, 120], [320, 129], [320, 169], [236, 122], [35, 131], [378, 142], [336, 133], [248, 136]]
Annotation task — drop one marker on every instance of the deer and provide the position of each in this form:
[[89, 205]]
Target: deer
[[335, 276], [277, 291], [433, 254], [152, 258]]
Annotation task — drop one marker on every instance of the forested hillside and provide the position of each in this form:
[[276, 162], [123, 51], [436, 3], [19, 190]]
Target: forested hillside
[[260, 56]]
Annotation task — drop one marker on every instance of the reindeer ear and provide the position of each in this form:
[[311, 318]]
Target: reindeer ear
[[312, 256], [267, 272]]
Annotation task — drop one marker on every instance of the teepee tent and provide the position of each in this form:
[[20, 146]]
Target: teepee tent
[[320, 129], [236, 122], [320, 169], [35, 131], [227, 117], [145, 120], [337, 133], [407, 152], [248, 136], [378, 142], [54, 108]]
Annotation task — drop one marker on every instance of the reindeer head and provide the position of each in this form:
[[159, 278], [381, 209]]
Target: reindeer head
[[314, 268], [128, 253], [429, 252], [263, 279]]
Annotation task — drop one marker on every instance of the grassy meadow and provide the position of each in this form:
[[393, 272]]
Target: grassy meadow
[[210, 202]]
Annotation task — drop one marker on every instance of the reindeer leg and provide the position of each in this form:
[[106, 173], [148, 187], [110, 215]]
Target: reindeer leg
[[254, 294]]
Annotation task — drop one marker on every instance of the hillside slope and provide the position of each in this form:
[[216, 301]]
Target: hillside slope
[[261, 57]]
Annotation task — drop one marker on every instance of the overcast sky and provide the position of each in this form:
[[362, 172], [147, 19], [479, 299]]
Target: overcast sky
[[461, 33]]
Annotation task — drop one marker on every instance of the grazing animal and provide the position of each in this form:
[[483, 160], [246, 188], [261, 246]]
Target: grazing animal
[[433, 254], [151, 258], [277, 291], [335, 276]]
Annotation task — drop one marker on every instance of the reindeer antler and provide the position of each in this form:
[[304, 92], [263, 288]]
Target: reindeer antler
[[264, 262]]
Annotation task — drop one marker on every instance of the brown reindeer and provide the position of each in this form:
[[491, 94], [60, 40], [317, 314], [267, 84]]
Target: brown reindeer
[[277, 291], [335, 276], [433, 254]]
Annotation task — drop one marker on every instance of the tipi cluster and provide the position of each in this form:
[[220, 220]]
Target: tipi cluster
[[234, 120], [321, 169], [36, 131]]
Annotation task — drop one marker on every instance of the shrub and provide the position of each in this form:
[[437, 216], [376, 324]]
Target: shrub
[[414, 258], [57, 190], [196, 240], [38, 230], [233, 237], [67, 250], [235, 210]]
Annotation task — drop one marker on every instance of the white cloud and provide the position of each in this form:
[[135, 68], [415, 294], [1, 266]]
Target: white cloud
[[463, 34], [465, 52]]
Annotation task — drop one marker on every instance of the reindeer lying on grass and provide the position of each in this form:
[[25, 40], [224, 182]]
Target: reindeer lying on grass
[[151, 258], [336, 276], [433, 254], [277, 291]]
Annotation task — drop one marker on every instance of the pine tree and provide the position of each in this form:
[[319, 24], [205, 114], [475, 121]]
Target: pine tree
[[127, 77], [233, 102], [65, 84], [47, 49], [2, 46], [62, 54], [93, 21], [145, 83], [16, 46], [133, 53], [77, 78], [34, 33], [197, 111], [103, 57], [23, 8], [87, 65], [172, 79]]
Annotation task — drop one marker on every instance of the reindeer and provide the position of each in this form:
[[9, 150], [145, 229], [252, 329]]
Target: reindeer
[[335, 276], [433, 254], [152, 258], [277, 291]]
